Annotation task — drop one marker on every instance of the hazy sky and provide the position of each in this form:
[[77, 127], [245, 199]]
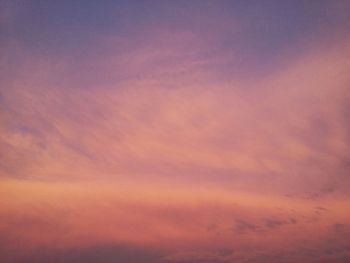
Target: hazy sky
[[174, 131]]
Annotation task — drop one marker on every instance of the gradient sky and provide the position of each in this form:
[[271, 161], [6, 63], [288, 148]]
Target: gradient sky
[[175, 131]]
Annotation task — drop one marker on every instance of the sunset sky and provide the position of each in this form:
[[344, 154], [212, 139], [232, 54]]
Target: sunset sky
[[175, 131]]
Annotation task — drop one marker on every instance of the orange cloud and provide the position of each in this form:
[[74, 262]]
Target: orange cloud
[[188, 218], [171, 157]]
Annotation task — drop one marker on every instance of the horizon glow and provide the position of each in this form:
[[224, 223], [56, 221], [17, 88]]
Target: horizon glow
[[174, 131]]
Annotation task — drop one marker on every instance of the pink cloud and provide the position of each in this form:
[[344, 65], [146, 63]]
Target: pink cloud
[[168, 155]]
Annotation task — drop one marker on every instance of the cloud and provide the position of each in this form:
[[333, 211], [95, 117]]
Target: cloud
[[104, 254], [154, 146], [272, 222], [244, 226], [76, 216], [176, 119]]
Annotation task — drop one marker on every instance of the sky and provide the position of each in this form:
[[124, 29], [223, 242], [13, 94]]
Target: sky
[[174, 131]]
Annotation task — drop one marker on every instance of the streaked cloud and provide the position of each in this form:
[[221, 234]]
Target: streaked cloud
[[153, 146]]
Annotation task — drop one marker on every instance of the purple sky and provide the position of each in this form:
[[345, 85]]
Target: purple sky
[[174, 131]]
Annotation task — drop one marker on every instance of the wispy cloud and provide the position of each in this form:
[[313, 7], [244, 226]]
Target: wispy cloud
[[154, 142]]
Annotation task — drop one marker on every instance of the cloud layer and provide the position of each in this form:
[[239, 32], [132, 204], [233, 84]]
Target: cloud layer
[[171, 145]]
